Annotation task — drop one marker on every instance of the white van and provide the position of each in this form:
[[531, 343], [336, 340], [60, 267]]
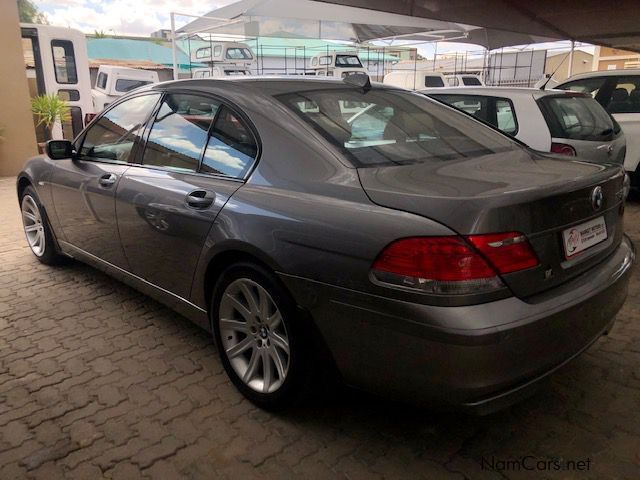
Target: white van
[[57, 63], [415, 79], [336, 64], [112, 82]]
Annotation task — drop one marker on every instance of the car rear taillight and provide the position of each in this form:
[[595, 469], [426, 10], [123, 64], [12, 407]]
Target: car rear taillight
[[453, 265], [563, 149]]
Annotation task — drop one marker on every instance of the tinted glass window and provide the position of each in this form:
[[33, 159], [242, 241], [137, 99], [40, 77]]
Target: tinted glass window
[[471, 81], [101, 81], [586, 85], [498, 112], [433, 81], [625, 97], [347, 61], [578, 118], [64, 61], [69, 95], [113, 135], [126, 85], [179, 132], [231, 149], [505, 116], [395, 127], [239, 53]]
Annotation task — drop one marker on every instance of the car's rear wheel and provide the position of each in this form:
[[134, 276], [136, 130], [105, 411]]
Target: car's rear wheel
[[37, 229], [259, 339]]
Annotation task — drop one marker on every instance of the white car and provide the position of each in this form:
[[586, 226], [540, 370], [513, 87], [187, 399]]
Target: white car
[[566, 123], [618, 91]]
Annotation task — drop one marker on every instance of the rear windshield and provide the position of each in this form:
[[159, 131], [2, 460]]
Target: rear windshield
[[393, 127], [577, 118], [126, 85]]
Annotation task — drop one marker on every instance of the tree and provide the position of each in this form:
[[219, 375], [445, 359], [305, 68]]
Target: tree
[[29, 13]]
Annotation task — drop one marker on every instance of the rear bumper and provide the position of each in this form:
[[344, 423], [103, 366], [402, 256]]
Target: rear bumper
[[480, 357]]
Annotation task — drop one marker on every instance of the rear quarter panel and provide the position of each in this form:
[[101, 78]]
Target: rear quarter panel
[[630, 123]]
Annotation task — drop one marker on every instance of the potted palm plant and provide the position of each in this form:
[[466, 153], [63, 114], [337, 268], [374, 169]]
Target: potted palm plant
[[49, 109]]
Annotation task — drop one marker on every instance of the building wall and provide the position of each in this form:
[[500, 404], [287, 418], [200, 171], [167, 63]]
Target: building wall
[[582, 62], [614, 59], [15, 115]]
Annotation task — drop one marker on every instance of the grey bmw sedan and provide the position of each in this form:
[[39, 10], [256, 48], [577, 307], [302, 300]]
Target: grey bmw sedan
[[309, 222]]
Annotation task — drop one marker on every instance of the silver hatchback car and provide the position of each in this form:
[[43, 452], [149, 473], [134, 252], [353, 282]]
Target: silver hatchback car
[[424, 254]]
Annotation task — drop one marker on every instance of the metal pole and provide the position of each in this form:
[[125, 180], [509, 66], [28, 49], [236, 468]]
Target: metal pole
[[435, 56], [573, 45], [174, 54]]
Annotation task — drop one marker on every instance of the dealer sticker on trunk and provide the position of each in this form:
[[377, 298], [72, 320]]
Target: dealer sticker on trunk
[[579, 238]]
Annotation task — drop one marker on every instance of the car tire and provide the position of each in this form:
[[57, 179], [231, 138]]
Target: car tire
[[255, 320], [37, 229]]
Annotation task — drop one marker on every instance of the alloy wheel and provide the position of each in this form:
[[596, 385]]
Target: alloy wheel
[[33, 225], [254, 336]]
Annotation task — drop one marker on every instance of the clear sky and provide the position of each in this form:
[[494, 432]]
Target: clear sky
[[141, 17]]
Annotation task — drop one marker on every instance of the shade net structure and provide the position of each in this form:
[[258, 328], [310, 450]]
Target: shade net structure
[[613, 24], [358, 22]]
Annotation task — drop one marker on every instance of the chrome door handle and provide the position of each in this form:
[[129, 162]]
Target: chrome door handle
[[107, 180], [200, 199]]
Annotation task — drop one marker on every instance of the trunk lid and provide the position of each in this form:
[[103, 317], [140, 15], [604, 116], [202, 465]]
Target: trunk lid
[[538, 195]]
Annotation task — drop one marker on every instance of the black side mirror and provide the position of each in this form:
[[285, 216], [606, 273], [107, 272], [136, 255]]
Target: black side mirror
[[59, 149]]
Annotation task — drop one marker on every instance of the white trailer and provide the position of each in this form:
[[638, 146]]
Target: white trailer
[[57, 63]]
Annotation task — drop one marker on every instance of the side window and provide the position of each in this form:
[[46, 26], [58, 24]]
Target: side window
[[112, 137], [101, 81], [625, 97], [203, 52], [231, 149], [475, 105], [431, 81], [325, 60], [64, 61], [127, 84], [217, 50], [506, 116], [179, 132]]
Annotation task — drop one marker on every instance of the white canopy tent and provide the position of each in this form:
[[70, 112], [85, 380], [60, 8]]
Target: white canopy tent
[[331, 21]]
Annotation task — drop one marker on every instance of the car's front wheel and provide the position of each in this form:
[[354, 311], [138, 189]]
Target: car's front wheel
[[37, 229], [260, 341]]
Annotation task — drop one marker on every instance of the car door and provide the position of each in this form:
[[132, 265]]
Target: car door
[[83, 188], [196, 155], [624, 106]]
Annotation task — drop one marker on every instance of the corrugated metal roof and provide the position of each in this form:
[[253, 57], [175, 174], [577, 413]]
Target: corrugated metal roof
[[129, 49]]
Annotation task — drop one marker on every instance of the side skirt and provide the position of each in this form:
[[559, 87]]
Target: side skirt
[[182, 306]]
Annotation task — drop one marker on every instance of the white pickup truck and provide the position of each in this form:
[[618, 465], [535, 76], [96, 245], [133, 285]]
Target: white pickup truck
[[112, 82]]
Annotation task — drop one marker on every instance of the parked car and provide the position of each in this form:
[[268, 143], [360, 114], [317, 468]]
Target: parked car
[[216, 71], [555, 121], [426, 255], [619, 93], [415, 79]]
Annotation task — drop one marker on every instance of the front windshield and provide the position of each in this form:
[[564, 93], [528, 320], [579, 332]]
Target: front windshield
[[393, 127]]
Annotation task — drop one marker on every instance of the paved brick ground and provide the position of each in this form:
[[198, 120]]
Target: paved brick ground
[[97, 381]]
